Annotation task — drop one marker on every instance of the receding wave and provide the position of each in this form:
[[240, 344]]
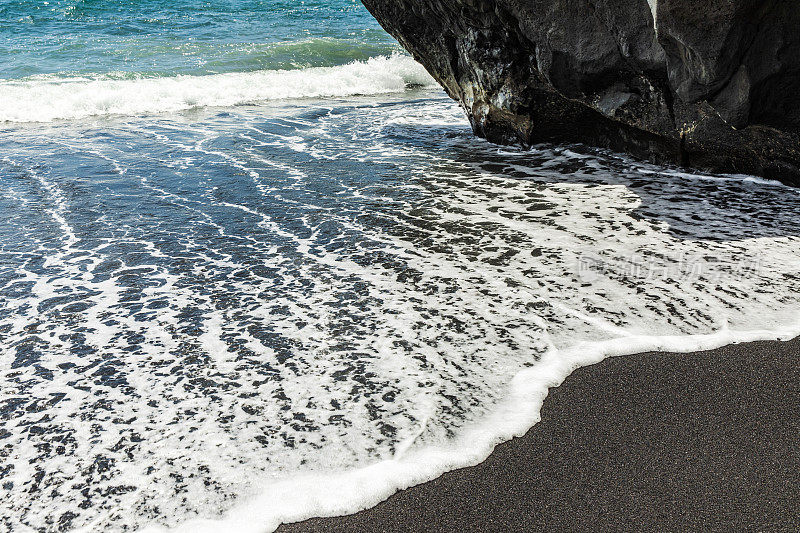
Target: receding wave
[[224, 323], [45, 99]]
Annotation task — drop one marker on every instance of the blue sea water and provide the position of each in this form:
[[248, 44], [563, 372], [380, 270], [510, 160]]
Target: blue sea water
[[168, 38], [254, 267]]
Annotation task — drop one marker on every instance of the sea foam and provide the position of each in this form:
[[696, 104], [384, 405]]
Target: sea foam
[[223, 321], [311, 496], [48, 98]]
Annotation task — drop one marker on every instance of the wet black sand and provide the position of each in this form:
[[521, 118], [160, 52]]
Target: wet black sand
[[708, 441]]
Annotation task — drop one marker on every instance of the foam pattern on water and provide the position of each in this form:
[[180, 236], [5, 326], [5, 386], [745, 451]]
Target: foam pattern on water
[[196, 306]]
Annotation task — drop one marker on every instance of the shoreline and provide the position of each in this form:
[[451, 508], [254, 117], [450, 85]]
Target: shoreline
[[658, 440]]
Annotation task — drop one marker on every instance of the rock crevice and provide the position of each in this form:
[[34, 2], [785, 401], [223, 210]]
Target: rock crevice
[[713, 85]]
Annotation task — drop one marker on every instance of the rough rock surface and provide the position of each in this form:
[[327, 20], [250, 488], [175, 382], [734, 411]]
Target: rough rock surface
[[711, 84]]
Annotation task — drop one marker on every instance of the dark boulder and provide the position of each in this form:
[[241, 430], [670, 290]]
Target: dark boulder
[[711, 84]]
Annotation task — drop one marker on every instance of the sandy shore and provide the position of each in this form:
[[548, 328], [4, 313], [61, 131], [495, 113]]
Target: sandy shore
[[656, 441]]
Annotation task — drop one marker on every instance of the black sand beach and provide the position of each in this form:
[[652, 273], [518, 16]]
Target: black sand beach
[[708, 441]]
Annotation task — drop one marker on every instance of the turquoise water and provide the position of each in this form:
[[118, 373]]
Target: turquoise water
[[167, 38], [255, 267], [76, 59]]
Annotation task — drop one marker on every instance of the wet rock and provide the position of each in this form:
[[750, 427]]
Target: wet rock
[[712, 85]]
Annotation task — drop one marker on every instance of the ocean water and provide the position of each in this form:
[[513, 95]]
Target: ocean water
[[255, 268]]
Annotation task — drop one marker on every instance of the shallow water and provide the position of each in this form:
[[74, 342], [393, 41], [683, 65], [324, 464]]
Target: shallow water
[[196, 304], [218, 283]]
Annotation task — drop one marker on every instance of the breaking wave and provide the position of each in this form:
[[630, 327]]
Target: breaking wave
[[49, 98]]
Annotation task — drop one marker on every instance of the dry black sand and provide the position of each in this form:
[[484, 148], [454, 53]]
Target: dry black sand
[[708, 441]]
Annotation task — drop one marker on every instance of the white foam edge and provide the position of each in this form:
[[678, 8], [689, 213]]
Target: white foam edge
[[310, 496], [51, 98]]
